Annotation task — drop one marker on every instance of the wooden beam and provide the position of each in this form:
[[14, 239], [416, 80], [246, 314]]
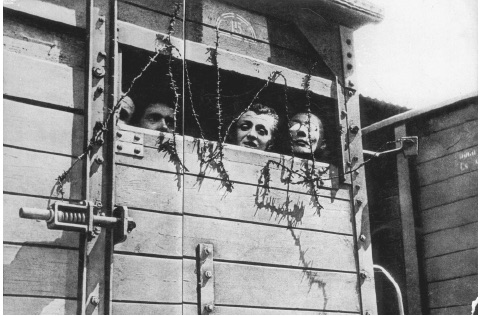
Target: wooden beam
[[132, 35], [412, 295]]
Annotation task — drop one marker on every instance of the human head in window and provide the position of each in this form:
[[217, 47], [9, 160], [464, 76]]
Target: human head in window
[[303, 143], [256, 128], [157, 116]]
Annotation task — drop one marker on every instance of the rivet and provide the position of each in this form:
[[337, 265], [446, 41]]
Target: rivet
[[119, 134], [101, 19], [350, 93], [349, 66], [350, 83], [358, 186], [102, 53], [349, 41], [354, 129], [94, 300], [119, 147], [208, 274], [136, 137], [99, 89], [209, 308], [367, 313], [362, 237], [97, 230], [359, 201], [344, 113], [349, 55], [99, 160], [363, 275], [354, 159], [98, 72], [137, 151], [207, 251]]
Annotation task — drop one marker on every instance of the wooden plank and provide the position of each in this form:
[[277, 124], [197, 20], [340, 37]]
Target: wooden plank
[[159, 234], [242, 164], [447, 141], [23, 36], [456, 310], [35, 173], [25, 127], [412, 276], [248, 285], [451, 240], [191, 309], [246, 242], [43, 81], [140, 188], [142, 38], [459, 115], [70, 12], [158, 191], [451, 266], [39, 271], [145, 279], [20, 230], [453, 189], [120, 308], [450, 215], [453, 292], [18, 305], [448, 166]]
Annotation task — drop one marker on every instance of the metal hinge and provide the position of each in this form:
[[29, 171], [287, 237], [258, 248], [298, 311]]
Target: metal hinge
[[205, 279], [129, 143], [84, 217]]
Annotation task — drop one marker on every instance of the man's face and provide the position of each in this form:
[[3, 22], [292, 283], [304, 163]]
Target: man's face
[[299, 132], [158, 117], [255, 130]]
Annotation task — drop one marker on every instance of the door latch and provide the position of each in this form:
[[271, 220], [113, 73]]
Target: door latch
[[84, 218]]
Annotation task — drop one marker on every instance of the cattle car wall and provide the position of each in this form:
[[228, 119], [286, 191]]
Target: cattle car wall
[[447, 173], [43, 107]]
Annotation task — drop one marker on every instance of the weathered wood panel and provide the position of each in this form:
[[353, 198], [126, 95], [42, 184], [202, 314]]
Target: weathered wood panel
[[158, 191], [453, 118], [453, 292], [143, 38], [191, 309], [451, 266], [450, 215], [145, 279], [447, 141], [22, 36], [42, 129], [70, 12], [35, 173], [456, 310], [159, 234], [18, 305], [448, 166], [451, 240], [39, 271], [247, 285], [453, 189], [246, 242], [43, 81], [16, 229], [120, 308]]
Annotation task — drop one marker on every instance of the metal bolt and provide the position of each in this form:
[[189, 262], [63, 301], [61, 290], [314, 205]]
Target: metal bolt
[[99, 160], [94, 300], [359, 201], [344, 113], [367, 313], [350, 83], [98, 204], [101, 19], [207, 251], [99, 89], [349, 55], [208, 274], [119, 147], [97, 230], [349, 41], [363, 275], [136, 137], [362, 238], [358, 186], [350, 93], [354, 159], [102, 53], [349, 66], [98, 72], [131, 225], [354, 129], [137, 151], [209, 308], [119, 134]]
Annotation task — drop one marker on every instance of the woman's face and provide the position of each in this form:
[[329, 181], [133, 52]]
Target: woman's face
[[299, 133], [255, 130]]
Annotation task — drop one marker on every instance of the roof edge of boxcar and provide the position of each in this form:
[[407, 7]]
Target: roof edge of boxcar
[[412, 114]]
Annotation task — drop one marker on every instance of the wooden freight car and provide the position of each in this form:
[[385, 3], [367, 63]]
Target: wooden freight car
[[211, 236], [424, 210]]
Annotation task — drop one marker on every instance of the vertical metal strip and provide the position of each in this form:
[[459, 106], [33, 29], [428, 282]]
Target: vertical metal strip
[[114, 87], [358, 191], [184, 25]]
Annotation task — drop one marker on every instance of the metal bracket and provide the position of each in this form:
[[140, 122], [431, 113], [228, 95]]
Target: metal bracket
[[129, 143], [205, 279], [409, 147], [82, 218]]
